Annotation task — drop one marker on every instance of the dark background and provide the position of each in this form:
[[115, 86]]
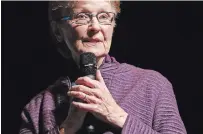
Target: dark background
[[163, 36]]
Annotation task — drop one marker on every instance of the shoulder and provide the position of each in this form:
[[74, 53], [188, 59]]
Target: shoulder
[[147, 77], [39, 106], [48, 98], [43, 99]]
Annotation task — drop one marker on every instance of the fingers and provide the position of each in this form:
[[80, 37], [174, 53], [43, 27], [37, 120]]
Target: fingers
[[85, 81], [86, 90], [82, 88], [85, 106], [84, 97]]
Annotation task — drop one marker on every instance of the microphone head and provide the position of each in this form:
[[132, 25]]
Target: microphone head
[[87, 58], [88, 66]]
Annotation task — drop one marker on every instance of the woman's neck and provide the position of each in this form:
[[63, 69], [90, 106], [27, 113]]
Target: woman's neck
[[100, 61]]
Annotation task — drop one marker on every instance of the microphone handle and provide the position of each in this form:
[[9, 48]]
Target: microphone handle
[[90, 128]]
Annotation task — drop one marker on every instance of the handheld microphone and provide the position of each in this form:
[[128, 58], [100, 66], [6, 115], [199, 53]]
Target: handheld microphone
[[88, 67]]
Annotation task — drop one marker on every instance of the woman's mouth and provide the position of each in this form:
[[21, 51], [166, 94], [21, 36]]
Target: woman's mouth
[[91, 42]]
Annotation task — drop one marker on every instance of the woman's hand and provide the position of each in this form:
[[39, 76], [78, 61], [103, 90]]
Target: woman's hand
[[74, 120], [98, 100]]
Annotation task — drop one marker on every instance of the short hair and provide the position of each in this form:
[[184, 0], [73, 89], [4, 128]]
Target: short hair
[[59, 9]]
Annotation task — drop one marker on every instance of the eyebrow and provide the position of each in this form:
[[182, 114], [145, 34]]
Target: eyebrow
[[88, 11]]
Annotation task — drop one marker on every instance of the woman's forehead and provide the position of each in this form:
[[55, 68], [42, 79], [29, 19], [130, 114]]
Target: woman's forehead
[[93, 6]]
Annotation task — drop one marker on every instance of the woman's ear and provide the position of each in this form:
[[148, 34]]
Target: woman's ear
[[58, 38], [56, 31]]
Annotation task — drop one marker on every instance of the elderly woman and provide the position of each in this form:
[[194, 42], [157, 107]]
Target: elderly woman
[[122, 99]]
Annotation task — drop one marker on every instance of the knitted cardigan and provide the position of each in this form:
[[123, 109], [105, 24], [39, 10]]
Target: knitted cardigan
[[146, 95]]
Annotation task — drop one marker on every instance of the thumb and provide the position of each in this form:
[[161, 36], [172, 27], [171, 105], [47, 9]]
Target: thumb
[[101, 80], [99, 77]]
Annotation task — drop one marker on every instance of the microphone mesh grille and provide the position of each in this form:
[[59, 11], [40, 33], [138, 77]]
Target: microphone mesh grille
[[88, 64]]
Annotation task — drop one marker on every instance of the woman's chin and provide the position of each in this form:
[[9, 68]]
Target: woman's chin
[[97, 52]]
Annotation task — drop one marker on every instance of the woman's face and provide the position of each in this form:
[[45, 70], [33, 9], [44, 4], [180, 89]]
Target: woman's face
[[93, 37]]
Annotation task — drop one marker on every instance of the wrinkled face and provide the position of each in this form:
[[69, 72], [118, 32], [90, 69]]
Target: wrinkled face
[[93, 37]]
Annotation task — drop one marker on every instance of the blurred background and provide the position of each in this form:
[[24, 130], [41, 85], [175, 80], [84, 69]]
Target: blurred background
[[163, 36]]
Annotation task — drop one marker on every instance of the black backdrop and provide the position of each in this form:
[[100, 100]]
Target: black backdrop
[[164, 36]]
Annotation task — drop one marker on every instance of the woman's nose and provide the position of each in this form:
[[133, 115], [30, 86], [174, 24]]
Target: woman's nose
[[94, 25]]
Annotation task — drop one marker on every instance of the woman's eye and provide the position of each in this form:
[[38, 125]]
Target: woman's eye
[[103, 16], [82, 16]]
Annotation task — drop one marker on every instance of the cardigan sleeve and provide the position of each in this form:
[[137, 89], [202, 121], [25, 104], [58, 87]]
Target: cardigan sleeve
[[26, 125], [28, 128], [30, 119], [166, 119], [39, 115]]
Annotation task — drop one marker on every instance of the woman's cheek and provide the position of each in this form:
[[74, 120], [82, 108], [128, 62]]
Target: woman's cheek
[[108, 36], [109, 32]]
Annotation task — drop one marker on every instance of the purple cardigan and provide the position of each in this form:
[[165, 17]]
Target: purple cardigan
[[145, 95]]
